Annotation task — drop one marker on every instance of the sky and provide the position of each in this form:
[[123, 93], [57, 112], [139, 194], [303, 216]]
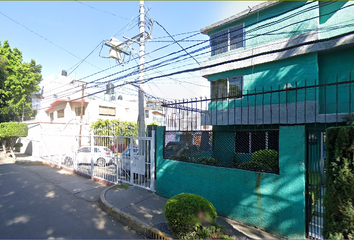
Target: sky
[[60, 34]]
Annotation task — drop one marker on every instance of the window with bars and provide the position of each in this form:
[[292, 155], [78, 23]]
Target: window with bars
[[106, 111], [227, 40], [252, 141]]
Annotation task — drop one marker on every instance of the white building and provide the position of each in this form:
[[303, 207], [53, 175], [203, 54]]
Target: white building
[[58, 110]]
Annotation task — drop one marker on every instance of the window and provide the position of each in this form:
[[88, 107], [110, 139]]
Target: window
[[227, 87], [60, 113], [252, 141], [78, 111], [227, 40], [127, 110], [51, 117], [146, 113], [107, 111]]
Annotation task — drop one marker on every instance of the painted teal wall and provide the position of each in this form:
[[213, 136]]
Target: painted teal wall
[[336, 18], [273, 202], [298, 17], [337, 66], [273, 76], [289, 24]]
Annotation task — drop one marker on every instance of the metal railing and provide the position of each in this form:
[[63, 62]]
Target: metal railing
[[321, 102], [110, 158]]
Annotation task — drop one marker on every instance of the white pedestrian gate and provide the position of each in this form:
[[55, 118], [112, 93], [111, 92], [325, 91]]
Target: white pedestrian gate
[[111, 158]]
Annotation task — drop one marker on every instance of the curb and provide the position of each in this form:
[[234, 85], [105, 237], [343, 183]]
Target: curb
[[26, 162], [130, 221]]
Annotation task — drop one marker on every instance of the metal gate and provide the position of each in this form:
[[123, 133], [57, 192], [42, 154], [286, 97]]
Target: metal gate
[[315, 176], [111, 158]]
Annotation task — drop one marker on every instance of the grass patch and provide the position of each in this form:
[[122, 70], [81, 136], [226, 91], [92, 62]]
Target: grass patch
[[124, 186]]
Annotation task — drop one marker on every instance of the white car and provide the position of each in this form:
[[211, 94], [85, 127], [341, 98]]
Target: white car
[[125, 158], [102, 156]]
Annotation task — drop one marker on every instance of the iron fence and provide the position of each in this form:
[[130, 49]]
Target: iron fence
[[110, 158], [309, 102]]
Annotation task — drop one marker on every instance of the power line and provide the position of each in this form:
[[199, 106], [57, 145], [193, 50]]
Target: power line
[[170, 59], [136, 58], [175, 72], [46, 39], [176, 41], [79, 63], [106, 12]]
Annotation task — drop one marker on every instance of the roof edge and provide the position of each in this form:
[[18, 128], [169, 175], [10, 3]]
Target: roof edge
[[239, 16]]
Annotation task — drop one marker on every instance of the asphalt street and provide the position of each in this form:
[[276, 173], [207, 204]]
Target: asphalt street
[[44, 202]]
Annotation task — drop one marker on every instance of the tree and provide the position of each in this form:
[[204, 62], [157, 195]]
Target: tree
[[3, 70], [115, 127], [10, 132], [18, 80]]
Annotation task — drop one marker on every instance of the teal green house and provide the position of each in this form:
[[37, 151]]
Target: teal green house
[[282, 69]]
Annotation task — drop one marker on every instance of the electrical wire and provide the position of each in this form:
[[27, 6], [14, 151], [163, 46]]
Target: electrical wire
[[176, 41], [177, 73], [46, 39], [129, 74], [106, 12]]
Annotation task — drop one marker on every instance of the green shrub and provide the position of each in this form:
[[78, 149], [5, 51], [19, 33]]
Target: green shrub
[[186, 213], [267, 156], [338, 199], [13, 130], [180, 157], [208, 161], [18, 145]]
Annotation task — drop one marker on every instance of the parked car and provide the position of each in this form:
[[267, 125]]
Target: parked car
[[102, 156], [125, 159]]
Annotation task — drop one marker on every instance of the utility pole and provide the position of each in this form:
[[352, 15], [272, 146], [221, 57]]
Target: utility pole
[[141, 116], [81, 112]]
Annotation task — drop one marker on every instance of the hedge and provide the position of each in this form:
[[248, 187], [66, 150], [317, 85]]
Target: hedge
[[13, 130], [339, 194]]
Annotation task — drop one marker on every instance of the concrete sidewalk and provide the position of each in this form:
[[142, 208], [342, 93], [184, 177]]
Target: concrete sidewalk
[[143, 211], [139, 209]]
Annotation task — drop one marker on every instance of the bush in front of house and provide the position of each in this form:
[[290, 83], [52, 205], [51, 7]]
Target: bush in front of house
[[266, 156], [180, 157], [266, 160], [208, 161], [187, 215], [338, 199]]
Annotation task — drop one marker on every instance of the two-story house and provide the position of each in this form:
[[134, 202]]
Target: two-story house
[[280, 74]]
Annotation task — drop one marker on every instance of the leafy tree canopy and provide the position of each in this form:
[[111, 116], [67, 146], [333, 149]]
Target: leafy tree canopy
[[115, 127], [18, 80]]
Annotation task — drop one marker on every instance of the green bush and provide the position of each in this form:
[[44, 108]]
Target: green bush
[[208, 161], [13, 130], [18, 145], [338, 199], [180, 157], [186, 214], [267, 156]]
